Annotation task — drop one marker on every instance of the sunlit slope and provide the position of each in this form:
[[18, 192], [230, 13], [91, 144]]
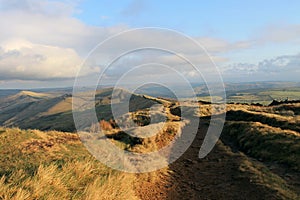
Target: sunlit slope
[[55, 165], [47, 112]]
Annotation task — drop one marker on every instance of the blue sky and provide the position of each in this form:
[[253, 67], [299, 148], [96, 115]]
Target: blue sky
[[43, 42], [233, 20]]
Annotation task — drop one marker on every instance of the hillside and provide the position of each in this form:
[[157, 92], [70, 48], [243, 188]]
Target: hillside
[[52, 112], [257, 155], [55, 165], [259, 159]]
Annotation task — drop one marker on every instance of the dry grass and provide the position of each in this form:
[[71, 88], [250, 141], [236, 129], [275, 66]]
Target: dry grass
[[265, 142], [75, 180], [169, 132], [261, 175], [63, 106], [33, 94], [105, 125], [55, 165]]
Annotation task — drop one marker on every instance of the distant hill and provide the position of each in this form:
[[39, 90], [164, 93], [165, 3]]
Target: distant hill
[[8, 92], [51, 111]]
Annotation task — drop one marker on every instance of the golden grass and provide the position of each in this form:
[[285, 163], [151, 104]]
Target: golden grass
[[61, 107], [33, 94], [259, 174], [263, 176], [265, 142], [75, 180], [55, 165]]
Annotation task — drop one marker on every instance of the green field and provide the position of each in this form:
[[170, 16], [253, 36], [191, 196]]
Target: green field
[[263, 96]]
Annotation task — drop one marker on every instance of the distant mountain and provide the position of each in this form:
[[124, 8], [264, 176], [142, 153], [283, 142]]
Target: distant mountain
[[52, 108], [8, 92], [52, 111]]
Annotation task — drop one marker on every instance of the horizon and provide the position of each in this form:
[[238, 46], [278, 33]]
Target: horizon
[[111, 86]]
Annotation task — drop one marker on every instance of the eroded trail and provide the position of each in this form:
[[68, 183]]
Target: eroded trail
[[223, 174], [215, 177]]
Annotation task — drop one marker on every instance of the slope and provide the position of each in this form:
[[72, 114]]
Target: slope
[[55, 165], [51, 112]]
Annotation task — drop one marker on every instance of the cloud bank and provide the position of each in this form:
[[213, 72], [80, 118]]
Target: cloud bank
[[42, 40], [279, 68]]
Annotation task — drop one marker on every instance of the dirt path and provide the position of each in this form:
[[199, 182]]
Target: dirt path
[[218, 176]]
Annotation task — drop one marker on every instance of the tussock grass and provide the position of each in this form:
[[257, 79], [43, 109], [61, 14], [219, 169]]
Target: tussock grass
[[273, 120], [75, 180], [265, 142], [55, 165], [261, 175]]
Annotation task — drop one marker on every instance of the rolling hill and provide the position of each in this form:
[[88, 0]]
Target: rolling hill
[[257, 154], [48, 111]]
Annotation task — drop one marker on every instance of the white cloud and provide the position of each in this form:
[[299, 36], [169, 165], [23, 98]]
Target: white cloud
[[280, 64], [58, 30], [279, 68], [40, 40], [50, 8], [23, 60], [51, 43]]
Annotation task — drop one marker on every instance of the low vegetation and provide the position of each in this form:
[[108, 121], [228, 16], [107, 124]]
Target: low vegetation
[[265, 143], [262, 142], [55, 165]]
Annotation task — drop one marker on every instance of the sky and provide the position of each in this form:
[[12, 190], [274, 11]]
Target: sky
[[49, 43]]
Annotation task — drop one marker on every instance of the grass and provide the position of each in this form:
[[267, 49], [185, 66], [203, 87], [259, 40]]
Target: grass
[[260, 175], [282, 94], [74, 180], [56, 113], [63, 106], [265, 142], [263, 96], [275, 120], [55, 165]]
